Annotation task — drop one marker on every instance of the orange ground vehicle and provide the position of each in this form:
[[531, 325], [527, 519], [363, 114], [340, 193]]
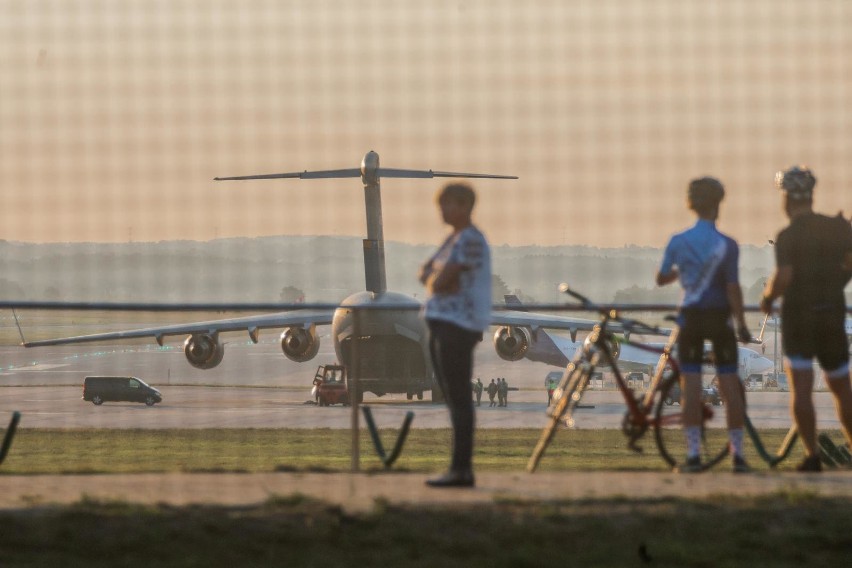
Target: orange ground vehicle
[[330, 385]]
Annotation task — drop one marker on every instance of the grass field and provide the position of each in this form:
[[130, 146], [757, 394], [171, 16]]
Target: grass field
[[785, 529], [42, 451]]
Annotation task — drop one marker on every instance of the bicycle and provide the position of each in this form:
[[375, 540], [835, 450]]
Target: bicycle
[[831, 454], [649, 410], [782, 452]]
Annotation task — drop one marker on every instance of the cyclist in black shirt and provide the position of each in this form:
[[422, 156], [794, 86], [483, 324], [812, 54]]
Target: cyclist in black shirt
[[814, 263]]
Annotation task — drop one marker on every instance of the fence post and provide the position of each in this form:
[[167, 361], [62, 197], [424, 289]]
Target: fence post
[[355, 390], [10, 434]]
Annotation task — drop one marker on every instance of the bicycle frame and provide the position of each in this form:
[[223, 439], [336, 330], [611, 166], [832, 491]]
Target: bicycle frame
[[637, 419]]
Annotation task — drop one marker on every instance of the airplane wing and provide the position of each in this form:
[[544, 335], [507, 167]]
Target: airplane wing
[[536, 321], [557, 350], [541, 321], [249, 324], [512, 342], [632, 358], [635, 359]]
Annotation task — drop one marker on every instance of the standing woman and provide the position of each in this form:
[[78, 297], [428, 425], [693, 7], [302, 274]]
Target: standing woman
[[457, 310]]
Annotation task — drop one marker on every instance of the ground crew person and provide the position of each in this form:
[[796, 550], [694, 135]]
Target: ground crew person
[[505, 388], [477, 390], [492, 391]]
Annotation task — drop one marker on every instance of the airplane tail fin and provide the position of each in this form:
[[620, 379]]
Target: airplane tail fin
[[370, 172], [512, 300]]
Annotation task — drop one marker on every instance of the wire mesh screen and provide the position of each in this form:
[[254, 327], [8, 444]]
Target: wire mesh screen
[[116, 116]]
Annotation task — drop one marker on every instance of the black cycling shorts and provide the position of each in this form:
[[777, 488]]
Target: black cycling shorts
[[698, 326], [809, 333]]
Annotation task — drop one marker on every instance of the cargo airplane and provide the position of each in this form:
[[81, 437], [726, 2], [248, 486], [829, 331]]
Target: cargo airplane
[[392, 347], [557, 350]]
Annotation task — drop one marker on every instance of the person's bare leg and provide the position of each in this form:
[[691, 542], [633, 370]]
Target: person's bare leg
[[733, 395], [841, 388], [802, 407]]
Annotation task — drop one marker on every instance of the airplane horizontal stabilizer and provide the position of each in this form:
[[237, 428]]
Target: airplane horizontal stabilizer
[[323, 174], [357, 172], [427, 174]]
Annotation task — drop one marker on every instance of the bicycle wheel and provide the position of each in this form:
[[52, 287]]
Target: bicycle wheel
[[562, 410], [668, 430]]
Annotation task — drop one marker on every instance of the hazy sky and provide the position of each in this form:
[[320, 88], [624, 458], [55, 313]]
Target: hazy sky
[[115, 115]]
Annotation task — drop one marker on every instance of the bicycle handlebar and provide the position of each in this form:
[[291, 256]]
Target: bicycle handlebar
[[565, 289], [627, 324]]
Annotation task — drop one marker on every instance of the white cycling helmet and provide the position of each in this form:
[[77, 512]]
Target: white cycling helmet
[[797, 181]]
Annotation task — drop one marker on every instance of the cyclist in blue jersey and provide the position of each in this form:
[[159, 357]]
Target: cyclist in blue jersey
[[706, 263]]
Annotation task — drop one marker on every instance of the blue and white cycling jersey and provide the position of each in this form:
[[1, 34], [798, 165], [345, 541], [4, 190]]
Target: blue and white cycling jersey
[[707, 260]]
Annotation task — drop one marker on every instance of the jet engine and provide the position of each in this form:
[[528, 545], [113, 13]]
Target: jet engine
[[512, 343], [614, 346], [203, 351], [300, 344]]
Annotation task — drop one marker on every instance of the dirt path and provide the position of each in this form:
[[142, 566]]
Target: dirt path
[[359, 492]]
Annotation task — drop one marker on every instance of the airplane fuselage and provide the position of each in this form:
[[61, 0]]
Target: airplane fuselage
[[392, 351]]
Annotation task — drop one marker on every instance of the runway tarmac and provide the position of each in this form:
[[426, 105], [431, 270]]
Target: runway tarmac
[[257, 387], [243, 407]]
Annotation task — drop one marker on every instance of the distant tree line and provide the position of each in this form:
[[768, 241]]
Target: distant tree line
[[672, 294], [292, 295]]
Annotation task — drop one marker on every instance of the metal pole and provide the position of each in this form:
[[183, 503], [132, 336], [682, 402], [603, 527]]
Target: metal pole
[[775, 352], [355, 390]]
